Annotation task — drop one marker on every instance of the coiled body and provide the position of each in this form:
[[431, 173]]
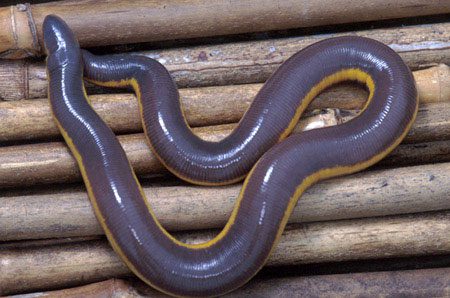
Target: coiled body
[[273, 185]]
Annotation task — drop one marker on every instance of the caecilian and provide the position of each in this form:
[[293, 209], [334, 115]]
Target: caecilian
[[278, 168]]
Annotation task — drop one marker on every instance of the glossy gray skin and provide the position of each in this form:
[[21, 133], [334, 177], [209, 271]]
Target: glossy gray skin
[[271, 112], [242, 251]]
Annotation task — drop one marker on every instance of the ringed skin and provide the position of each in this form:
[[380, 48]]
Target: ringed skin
[[278, 167]]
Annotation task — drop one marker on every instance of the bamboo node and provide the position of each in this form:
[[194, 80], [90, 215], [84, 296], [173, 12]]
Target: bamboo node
[[21, 33]]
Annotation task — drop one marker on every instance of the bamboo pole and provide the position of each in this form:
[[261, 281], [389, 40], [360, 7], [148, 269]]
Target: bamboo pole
[[27, 120], [45, 163], [68, 212], [423, 283], [18, 37], [122, 22], [368, 238], [420, 46]]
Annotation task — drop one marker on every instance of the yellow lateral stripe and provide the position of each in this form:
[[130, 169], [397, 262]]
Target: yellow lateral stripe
[[204, 245], [132, 82], [97, 211], [352, 74], [337, 171], [349, 74], [99, 214]]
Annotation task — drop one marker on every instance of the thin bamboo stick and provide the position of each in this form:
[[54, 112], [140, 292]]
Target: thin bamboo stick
[[45, 163], [68, 212], [423, 283], [408, 283], [27, 120], [368, 238], [417, 154], [420, 46], [36, 243], [122, 22]]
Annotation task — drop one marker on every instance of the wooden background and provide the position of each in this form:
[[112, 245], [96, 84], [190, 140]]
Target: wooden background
[[382, 232]]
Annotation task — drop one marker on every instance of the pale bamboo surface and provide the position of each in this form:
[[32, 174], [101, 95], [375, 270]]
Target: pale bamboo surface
[[122, 22], [31, 119], [51, 162], [433, 84], [421, 46], [68, 212], [368, 238], [423, 283]]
